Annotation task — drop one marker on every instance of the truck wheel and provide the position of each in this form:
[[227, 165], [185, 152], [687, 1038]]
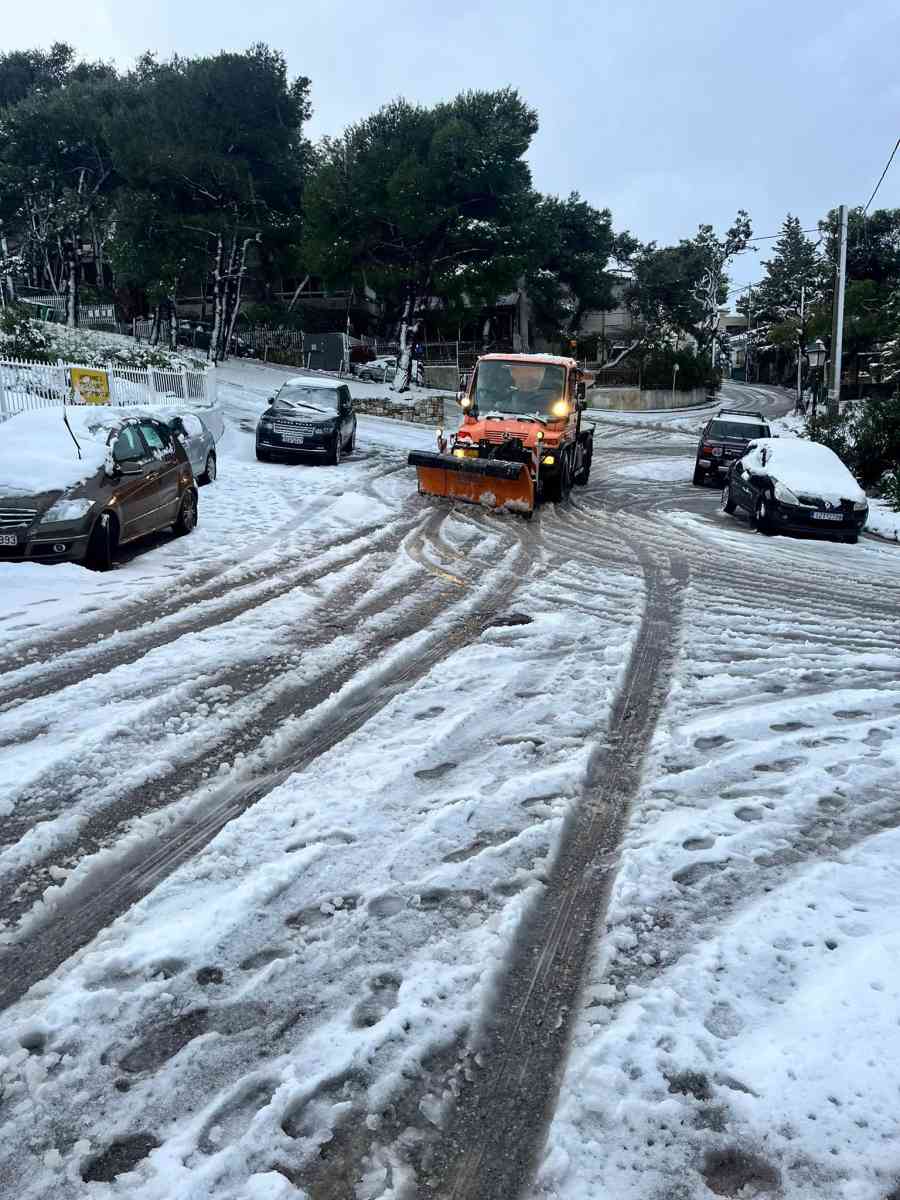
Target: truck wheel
[[699, 477], [585, 473]]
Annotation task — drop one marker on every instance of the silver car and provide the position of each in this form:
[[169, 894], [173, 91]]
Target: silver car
[[199, 444]]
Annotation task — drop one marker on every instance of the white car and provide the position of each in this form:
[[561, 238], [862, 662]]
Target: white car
[[790, 484], [379, 370]]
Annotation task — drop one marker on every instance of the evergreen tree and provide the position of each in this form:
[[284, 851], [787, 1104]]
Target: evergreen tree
[[423, 201]]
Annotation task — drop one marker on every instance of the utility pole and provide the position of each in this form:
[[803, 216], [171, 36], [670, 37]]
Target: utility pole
[[800, 352], [749, 324], [837, 321]]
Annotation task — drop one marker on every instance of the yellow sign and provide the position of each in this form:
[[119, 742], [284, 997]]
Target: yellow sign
[[89, 386]]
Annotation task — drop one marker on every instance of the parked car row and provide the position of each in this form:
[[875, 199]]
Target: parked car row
[[76, 484], [783, 484]]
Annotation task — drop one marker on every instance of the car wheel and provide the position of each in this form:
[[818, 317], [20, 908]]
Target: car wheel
[[187, 513], [851, 539], [351, 445], [334, 457], [209, 475], [699, 477], [762, 514], [263, 455], [103, 543], [728, 504]]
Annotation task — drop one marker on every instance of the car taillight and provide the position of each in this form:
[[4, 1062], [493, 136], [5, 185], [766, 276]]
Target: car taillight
[[706, 449]]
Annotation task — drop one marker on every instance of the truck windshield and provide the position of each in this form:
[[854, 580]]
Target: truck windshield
[[524, 388]]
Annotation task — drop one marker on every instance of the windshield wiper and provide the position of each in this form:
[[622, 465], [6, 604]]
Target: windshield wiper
[[301, 404]]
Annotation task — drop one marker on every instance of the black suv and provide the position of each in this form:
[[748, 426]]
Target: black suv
[[726, 437], [308, 417]]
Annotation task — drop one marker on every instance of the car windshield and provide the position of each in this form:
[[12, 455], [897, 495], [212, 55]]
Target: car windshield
[[294, 396], [741, 430], [527, 388]]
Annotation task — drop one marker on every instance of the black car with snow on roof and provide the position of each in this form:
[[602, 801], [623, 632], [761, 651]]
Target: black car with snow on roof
[[76, 492], [791, 485], [308, 417], [724, 438]]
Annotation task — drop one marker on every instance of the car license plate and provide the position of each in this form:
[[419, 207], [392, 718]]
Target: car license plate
[[9, 539], [296, 438], [820, 516]]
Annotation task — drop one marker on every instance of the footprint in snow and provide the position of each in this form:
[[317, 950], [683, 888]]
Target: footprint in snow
[[711, 743], [384, 990], [437, 772], [120, 1156], [232, 1118], [698, 843], [789, 727]]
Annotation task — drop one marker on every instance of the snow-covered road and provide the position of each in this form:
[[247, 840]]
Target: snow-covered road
[[353, 839]]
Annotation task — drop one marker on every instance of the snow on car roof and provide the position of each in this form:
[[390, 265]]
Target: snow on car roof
[[806, 467], [557, 360], [37, 453], [740, 418], [313, 381]]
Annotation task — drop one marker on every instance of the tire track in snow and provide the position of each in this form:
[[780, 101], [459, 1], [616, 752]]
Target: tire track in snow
[[66, 667], [106, 893]]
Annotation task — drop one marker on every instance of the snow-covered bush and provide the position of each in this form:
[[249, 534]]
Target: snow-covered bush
[[22, 336]]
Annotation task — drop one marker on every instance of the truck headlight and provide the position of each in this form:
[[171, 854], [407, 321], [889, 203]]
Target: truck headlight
[[560, 408], [67, 511]]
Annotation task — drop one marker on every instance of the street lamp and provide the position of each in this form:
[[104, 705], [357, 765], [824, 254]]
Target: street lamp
[[816, 355]]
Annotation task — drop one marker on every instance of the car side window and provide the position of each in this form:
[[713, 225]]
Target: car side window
[[158, 438], [345, 399], [128, 446]]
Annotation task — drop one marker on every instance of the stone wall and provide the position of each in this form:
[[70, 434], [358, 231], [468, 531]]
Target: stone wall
[[421, 410], [635, 400]]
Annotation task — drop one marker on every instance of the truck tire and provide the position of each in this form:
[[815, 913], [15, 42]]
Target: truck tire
[[560, 485], [699, 477], [585, 473]]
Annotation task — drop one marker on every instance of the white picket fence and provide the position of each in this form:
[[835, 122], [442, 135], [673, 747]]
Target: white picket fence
[[29, 385]]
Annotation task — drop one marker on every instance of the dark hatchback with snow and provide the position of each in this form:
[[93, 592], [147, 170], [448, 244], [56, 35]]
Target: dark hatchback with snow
[[308, 417], [791, 485], [76, 491], [726, 437]]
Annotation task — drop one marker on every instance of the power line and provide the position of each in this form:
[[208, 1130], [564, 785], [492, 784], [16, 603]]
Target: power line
[[768, 237], [883, 173]]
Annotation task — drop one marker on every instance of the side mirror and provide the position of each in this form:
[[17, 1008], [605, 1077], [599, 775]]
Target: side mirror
[[580, 390]]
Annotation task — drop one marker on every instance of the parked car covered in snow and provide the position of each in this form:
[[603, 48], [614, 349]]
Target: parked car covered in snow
[[76, 492], [308, 417], [379, 370], [198, 442], [789, 484]]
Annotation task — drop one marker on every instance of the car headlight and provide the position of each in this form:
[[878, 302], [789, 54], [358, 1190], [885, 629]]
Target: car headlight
[[560, 409], [860, 505], [786, 496], [67, 511]]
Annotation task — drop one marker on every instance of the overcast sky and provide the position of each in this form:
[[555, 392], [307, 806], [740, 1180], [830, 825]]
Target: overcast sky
[[669, 113]]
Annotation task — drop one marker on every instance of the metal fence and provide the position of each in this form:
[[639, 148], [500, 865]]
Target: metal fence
[[28, 385]]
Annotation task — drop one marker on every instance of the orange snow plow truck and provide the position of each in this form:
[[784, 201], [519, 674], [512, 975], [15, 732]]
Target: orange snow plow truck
[[522, 439]]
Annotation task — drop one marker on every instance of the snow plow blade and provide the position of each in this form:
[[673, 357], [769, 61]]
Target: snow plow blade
[[489, 482]]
